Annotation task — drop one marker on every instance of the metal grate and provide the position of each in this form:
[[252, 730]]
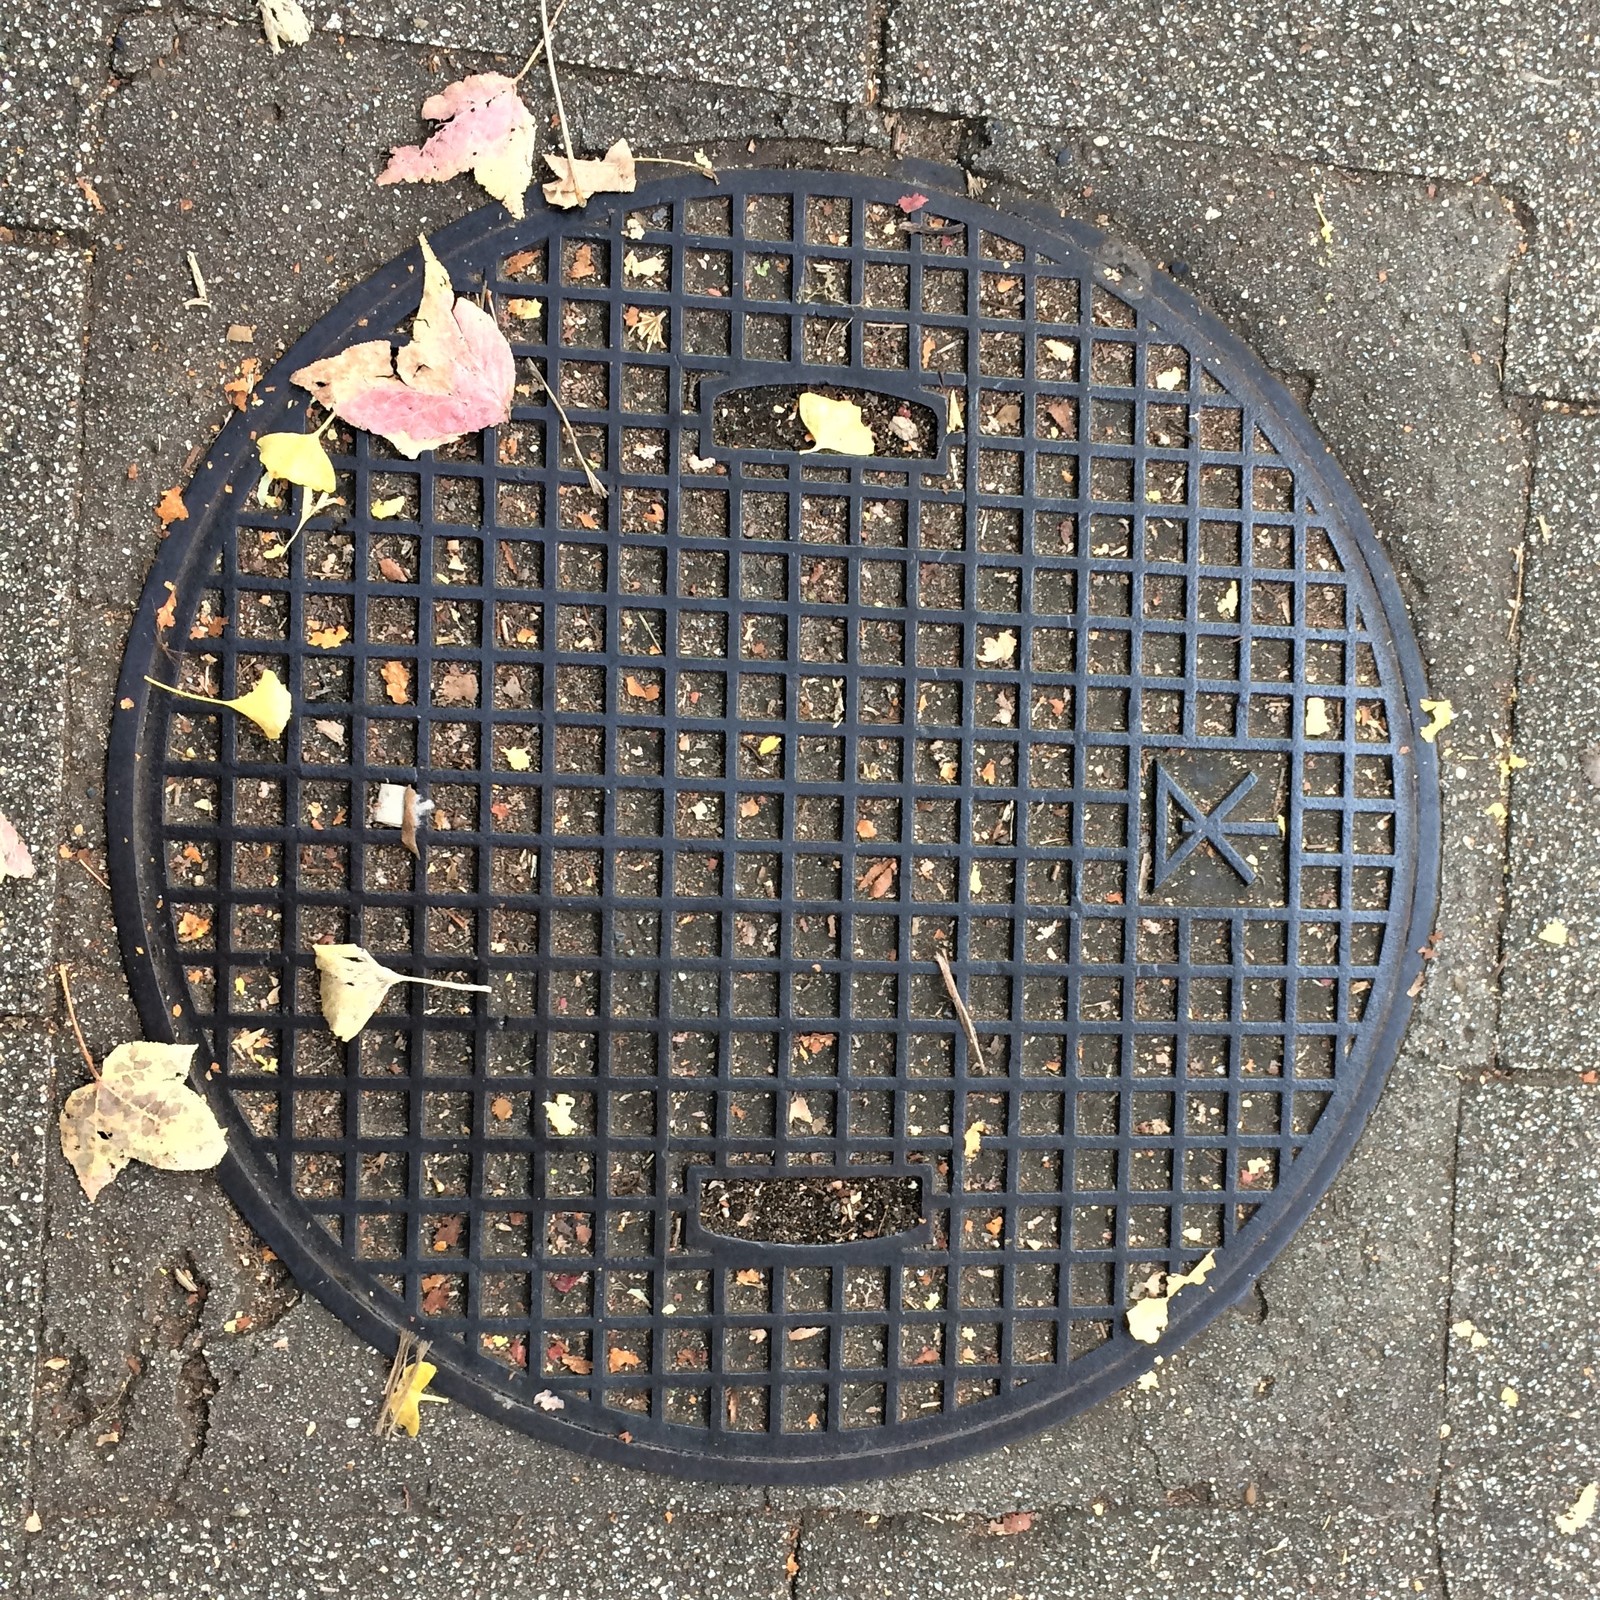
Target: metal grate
[[1094, 680]]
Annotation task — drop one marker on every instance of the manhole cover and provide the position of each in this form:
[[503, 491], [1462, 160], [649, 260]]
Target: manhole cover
[[1093, 679]]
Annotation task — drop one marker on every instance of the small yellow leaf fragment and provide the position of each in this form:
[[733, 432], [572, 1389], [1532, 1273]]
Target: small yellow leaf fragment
[[1147, 1318], [1061, 349], [525, 310], [1509, 763], [558, 1113], [771, 743], [835, 425], [1149, 1381], [999, 649], [1580, 1512], [518, 759], [1555, 932], [1509, 1398], [1442, 714], [1317, 723], [1496, 810], [298, 458], [973, 1138], [404, 1410], [382, 510], [1228, 603], [1465, 1330]]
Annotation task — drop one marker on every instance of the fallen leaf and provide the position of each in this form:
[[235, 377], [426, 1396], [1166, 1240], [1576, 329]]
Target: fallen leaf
[[382, 510], [814, 1043], [404, 1412], [329, 638], [804, 1333], [547, 1400], [835, 425], [267, 704], [1228, 604], [749, 1277], [800, 1110], [1011, 1522], [170, 507], [575, 182], [140, 1109], [1442, 714], [769, 745], [999, 649], [558, 1113], [297, 458], [240, 387], [1581, 1511], [1509, 1398], [638, 266], [1555, 932], [911, 202], [877, 881], [192, 926], [583, 260], [487, 131], [458, 687], [524, 309], [866, 829], [457, 374], [1061, 349], [618, 1359], [518, 759], [34, 1523], [167, 616], [15, 862], [1170, 379], [749, 806], [642, 691], [396, 677], [500, 1108], [904, 429], [284, 22], [353, 986], [972, 1141], [1317, 722], [1147, 1318], [241, 332]]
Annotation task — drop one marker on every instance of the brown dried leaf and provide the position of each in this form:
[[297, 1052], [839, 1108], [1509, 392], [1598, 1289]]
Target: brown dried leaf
[[642, 691], [170, 508], [878, 880], [618, 1359], [397, 681], [574, 183], [458, 687], [141, 1109]]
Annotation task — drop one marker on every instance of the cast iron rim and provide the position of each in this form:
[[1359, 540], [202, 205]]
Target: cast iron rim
[[1027, 1394]]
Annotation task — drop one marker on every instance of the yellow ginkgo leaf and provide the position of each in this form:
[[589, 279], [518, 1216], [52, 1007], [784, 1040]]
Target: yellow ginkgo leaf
[[1147, 1318], [404, 1411], [1442, 714], [298, 458], [1555, 932], [835, 425], [267, 704], [382, 510], [353, 986], [768, 745], [973, 1139]]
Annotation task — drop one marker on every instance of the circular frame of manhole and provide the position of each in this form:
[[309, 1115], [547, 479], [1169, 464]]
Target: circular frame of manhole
[[1094, 678]]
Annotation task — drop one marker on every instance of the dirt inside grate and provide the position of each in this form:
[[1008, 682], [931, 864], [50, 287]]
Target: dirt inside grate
[[811, 1210]]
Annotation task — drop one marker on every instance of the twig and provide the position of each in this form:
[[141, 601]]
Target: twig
[[202, 296], [561, 110], [75, 856], [538, 49], [572, 437], [1520, 552], [407, 1353], [962, 1013], [72, 1017], [703, 166]]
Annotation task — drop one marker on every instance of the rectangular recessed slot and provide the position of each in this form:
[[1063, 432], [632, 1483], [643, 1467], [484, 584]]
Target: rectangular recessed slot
[[765, 417], [760, 1207]]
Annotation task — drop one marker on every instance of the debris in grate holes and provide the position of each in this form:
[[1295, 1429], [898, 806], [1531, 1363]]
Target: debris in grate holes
[[811, 1209], [929, 901]]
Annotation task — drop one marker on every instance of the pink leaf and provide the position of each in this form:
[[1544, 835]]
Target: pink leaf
[[910, 202], [15, 862], [487, 131], [456, 376]]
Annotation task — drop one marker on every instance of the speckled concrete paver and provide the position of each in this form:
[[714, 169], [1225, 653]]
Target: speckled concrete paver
[[216, 1440], [1552, 941], [1524, 1412], [42, 319]]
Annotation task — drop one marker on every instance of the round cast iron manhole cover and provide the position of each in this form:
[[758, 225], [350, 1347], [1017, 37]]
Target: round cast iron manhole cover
[[1092, 678]]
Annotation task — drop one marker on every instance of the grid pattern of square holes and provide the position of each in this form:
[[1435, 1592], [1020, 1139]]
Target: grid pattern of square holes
[[722, 758]]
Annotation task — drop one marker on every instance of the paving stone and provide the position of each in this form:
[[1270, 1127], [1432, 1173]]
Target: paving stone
[[1550, 989], [52, 74], [41, 368], [589, 1554], [1524, 1409], [1484, 90], [24, 1118], [1193, 1555]]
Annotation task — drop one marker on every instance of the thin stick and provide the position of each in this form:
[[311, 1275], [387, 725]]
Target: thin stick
[[1516, 599], [407, 1353], [72, 1017], [202, 297], [572, 437], [538, 50], [561, 110], [90, 870], [960, 1005]]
